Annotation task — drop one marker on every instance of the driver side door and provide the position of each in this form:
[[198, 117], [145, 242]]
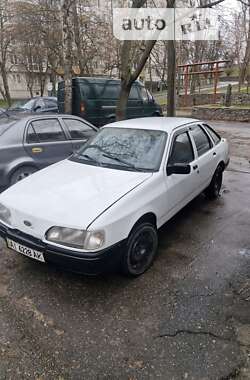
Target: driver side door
[[181, 188]]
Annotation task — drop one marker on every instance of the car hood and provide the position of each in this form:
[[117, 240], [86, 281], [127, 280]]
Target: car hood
[[67, 194]]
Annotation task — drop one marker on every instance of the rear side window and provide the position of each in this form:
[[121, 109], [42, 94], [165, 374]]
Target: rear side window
[[46, 130], [201, 140], [215, 137], [78, 130], [182, 151], [133, 93], [144, 94], [107, 91], [50, 103]]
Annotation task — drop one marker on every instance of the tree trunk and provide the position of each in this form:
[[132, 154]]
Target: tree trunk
[[246, 60], [6, 85], [67, 48], [123, 101]]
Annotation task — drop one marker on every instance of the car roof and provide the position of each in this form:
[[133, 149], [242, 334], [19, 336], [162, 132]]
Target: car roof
[[103, 80], [25, 118], [166, 124], [43, 97]]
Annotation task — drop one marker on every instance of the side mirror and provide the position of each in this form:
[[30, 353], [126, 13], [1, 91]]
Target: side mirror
[[37, 108], [178, 169]]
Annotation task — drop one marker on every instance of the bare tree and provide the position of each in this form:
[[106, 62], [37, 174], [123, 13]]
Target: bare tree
[[246, 58], [131, 55], [67, 42], [6, 36]]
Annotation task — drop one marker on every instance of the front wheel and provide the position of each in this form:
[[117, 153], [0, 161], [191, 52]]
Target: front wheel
[[141, 250], [213, 190], [21, 173]]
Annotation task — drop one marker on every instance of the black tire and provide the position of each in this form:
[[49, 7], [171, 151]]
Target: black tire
[[141, 249], [21, 173], [213, 190]]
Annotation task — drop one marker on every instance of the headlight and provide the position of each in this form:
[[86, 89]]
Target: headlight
[[5, 214], [80, 239]]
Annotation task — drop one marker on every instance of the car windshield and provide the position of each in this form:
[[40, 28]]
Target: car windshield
[[124, 148], [23, 104]]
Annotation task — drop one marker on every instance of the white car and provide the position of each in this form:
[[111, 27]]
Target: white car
[[101, 208]]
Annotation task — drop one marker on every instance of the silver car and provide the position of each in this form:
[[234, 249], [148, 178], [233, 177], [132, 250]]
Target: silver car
[[30, 143]]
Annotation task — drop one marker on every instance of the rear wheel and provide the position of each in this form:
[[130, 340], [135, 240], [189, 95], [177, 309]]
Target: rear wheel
[[213, 190], [21, 173], [141, 249]]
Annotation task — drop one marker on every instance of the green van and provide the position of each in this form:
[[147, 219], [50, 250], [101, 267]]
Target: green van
[[95, 99]]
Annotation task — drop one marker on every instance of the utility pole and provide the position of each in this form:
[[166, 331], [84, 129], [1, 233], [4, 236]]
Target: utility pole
[[171, 80]]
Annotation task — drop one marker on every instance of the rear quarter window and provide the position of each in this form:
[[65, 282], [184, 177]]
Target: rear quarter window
[[214, 136], [202, 141]]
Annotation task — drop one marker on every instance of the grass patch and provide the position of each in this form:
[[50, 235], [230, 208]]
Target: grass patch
[[3, 103]]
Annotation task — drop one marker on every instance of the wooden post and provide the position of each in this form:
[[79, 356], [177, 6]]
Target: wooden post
[[216, 77]]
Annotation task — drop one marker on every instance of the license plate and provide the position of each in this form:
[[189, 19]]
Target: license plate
[[33, 254]]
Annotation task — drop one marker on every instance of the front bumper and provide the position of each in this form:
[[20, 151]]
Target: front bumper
[[107, 260]]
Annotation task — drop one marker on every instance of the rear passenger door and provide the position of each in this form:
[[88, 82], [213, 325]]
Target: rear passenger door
[[79, 132], [206, 155], [45, 141]]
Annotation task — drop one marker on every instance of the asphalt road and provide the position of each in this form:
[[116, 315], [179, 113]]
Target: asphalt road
[[186, 318]]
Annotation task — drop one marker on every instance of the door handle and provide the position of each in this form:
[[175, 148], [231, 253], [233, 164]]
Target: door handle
[[195, 167]]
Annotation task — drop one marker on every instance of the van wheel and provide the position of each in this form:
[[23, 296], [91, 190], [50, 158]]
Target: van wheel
[[141, 250], [213, 190], [21, 173]]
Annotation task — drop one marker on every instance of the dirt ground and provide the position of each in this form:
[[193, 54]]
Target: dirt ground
[[188, 317]]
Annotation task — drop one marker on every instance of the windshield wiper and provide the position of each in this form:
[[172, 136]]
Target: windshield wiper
[[109, 155], [131, 166], [87, 157]]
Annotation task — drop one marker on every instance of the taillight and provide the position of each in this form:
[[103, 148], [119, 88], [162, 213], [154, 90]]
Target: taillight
[[82, 107]]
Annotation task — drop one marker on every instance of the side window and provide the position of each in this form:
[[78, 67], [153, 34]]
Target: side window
[[150, 96], [215, 137], [144, 94], [108, 90], [201, 140], [78, 130], [50, 103], [45, 130], [32, 137], [182, 150], [133, 93]]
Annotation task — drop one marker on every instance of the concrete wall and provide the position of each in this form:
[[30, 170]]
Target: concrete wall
[[197, 100], [238, 99], [230, 114]]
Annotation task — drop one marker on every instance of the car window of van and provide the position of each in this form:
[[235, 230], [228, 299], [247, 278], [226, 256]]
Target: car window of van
[[107, 91], [133, 93], [45, 130], [144, 94]]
